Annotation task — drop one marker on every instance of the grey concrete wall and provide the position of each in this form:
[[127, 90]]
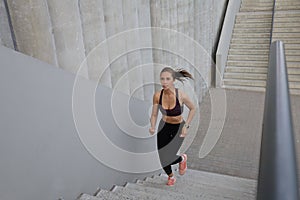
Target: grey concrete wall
[[42, 153], [67, 31], [64, 33], [5, 32], [32, 28], [93, 28], [199, 20]]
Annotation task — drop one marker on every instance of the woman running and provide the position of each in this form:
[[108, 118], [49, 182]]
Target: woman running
[[172, 127]]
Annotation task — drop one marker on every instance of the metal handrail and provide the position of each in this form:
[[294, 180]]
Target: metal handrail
[[272, 24], [277, 179]]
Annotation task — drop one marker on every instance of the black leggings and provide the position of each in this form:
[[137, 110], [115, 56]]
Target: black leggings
[[168, 143]]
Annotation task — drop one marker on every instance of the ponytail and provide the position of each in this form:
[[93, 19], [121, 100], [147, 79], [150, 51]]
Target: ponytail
[[179, 74], [182, 75]]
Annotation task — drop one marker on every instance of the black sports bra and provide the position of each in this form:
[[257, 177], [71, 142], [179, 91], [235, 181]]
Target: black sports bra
[[177, 110]]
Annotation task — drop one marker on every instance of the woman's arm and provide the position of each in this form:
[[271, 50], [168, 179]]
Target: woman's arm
[[154, 114], [186, 100]]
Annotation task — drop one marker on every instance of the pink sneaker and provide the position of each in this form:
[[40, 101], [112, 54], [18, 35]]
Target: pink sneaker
[[171, 181], [183, 165]]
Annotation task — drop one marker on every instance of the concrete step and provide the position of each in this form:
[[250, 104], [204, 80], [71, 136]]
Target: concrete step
[[292, 47], [253, 15], [264, 4], [249, 52], [286, 30], [287, 14], [293, 64], [251, 35], [247, 63], [295, 91], [234, 69], [90, 197], [193, 185], [256, 30], [254, 20], [249, 76], [245, 82], [287, 2], [250, 41], [214, 179], [293, 70], [256, 1], [252, 25], [255, 83], [294, 77], [287, 7], [249, 46], [122, 193], [257, 76], [240, 188], [168, 192], [286, 35], [286, 19], [294, 85], [248, 57], [234, 87], [286, 24], [288, 41], [195, 191], [293, 59], [256, 8], [264, 70], [119, 195], [289, 52]]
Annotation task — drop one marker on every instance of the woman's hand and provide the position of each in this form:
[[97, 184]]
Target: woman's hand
[[183, 132], [151, 130]]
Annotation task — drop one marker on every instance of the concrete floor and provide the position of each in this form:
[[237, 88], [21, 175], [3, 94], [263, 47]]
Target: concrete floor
[[238, 148]]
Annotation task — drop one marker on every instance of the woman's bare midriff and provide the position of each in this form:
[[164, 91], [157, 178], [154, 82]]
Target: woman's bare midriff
[[172, 119]]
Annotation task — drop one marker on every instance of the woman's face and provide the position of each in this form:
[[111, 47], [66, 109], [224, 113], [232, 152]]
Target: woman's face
[[166, 80]]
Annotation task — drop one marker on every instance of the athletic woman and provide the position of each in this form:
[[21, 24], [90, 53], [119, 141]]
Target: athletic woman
[[172, 127]]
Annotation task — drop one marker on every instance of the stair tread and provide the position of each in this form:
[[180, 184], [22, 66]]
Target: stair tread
[[155, 193], [185, 186], [248, 88], [89, 197], [121, 193]]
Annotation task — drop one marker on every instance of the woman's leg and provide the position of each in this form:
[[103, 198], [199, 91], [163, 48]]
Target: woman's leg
[[169, 142]]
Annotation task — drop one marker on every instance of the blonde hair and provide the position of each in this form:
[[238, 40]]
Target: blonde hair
[[179, 74]]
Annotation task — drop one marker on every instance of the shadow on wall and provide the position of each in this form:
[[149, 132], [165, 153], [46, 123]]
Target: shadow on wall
[[42, 156]]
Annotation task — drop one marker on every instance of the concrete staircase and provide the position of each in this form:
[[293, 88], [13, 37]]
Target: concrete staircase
[[247, 61], [287, 29], [193, 185]]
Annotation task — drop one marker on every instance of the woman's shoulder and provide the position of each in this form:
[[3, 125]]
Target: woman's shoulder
[[157, 92], [181, 93], [156, 96]]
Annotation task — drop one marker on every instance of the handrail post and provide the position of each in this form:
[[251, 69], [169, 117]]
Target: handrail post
[[277, 178]]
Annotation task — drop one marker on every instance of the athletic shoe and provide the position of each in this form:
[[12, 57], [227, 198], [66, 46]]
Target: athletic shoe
[[183, 165], [171, 181]]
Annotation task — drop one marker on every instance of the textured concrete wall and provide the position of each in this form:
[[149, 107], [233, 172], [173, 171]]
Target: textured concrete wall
[[144, 20], [114, 24], [198, 20], [5, 32], [93, 28], [32, 28], [64, 33], [67, 31]]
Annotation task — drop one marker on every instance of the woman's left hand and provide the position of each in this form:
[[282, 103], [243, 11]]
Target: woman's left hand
[[183, 132]]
